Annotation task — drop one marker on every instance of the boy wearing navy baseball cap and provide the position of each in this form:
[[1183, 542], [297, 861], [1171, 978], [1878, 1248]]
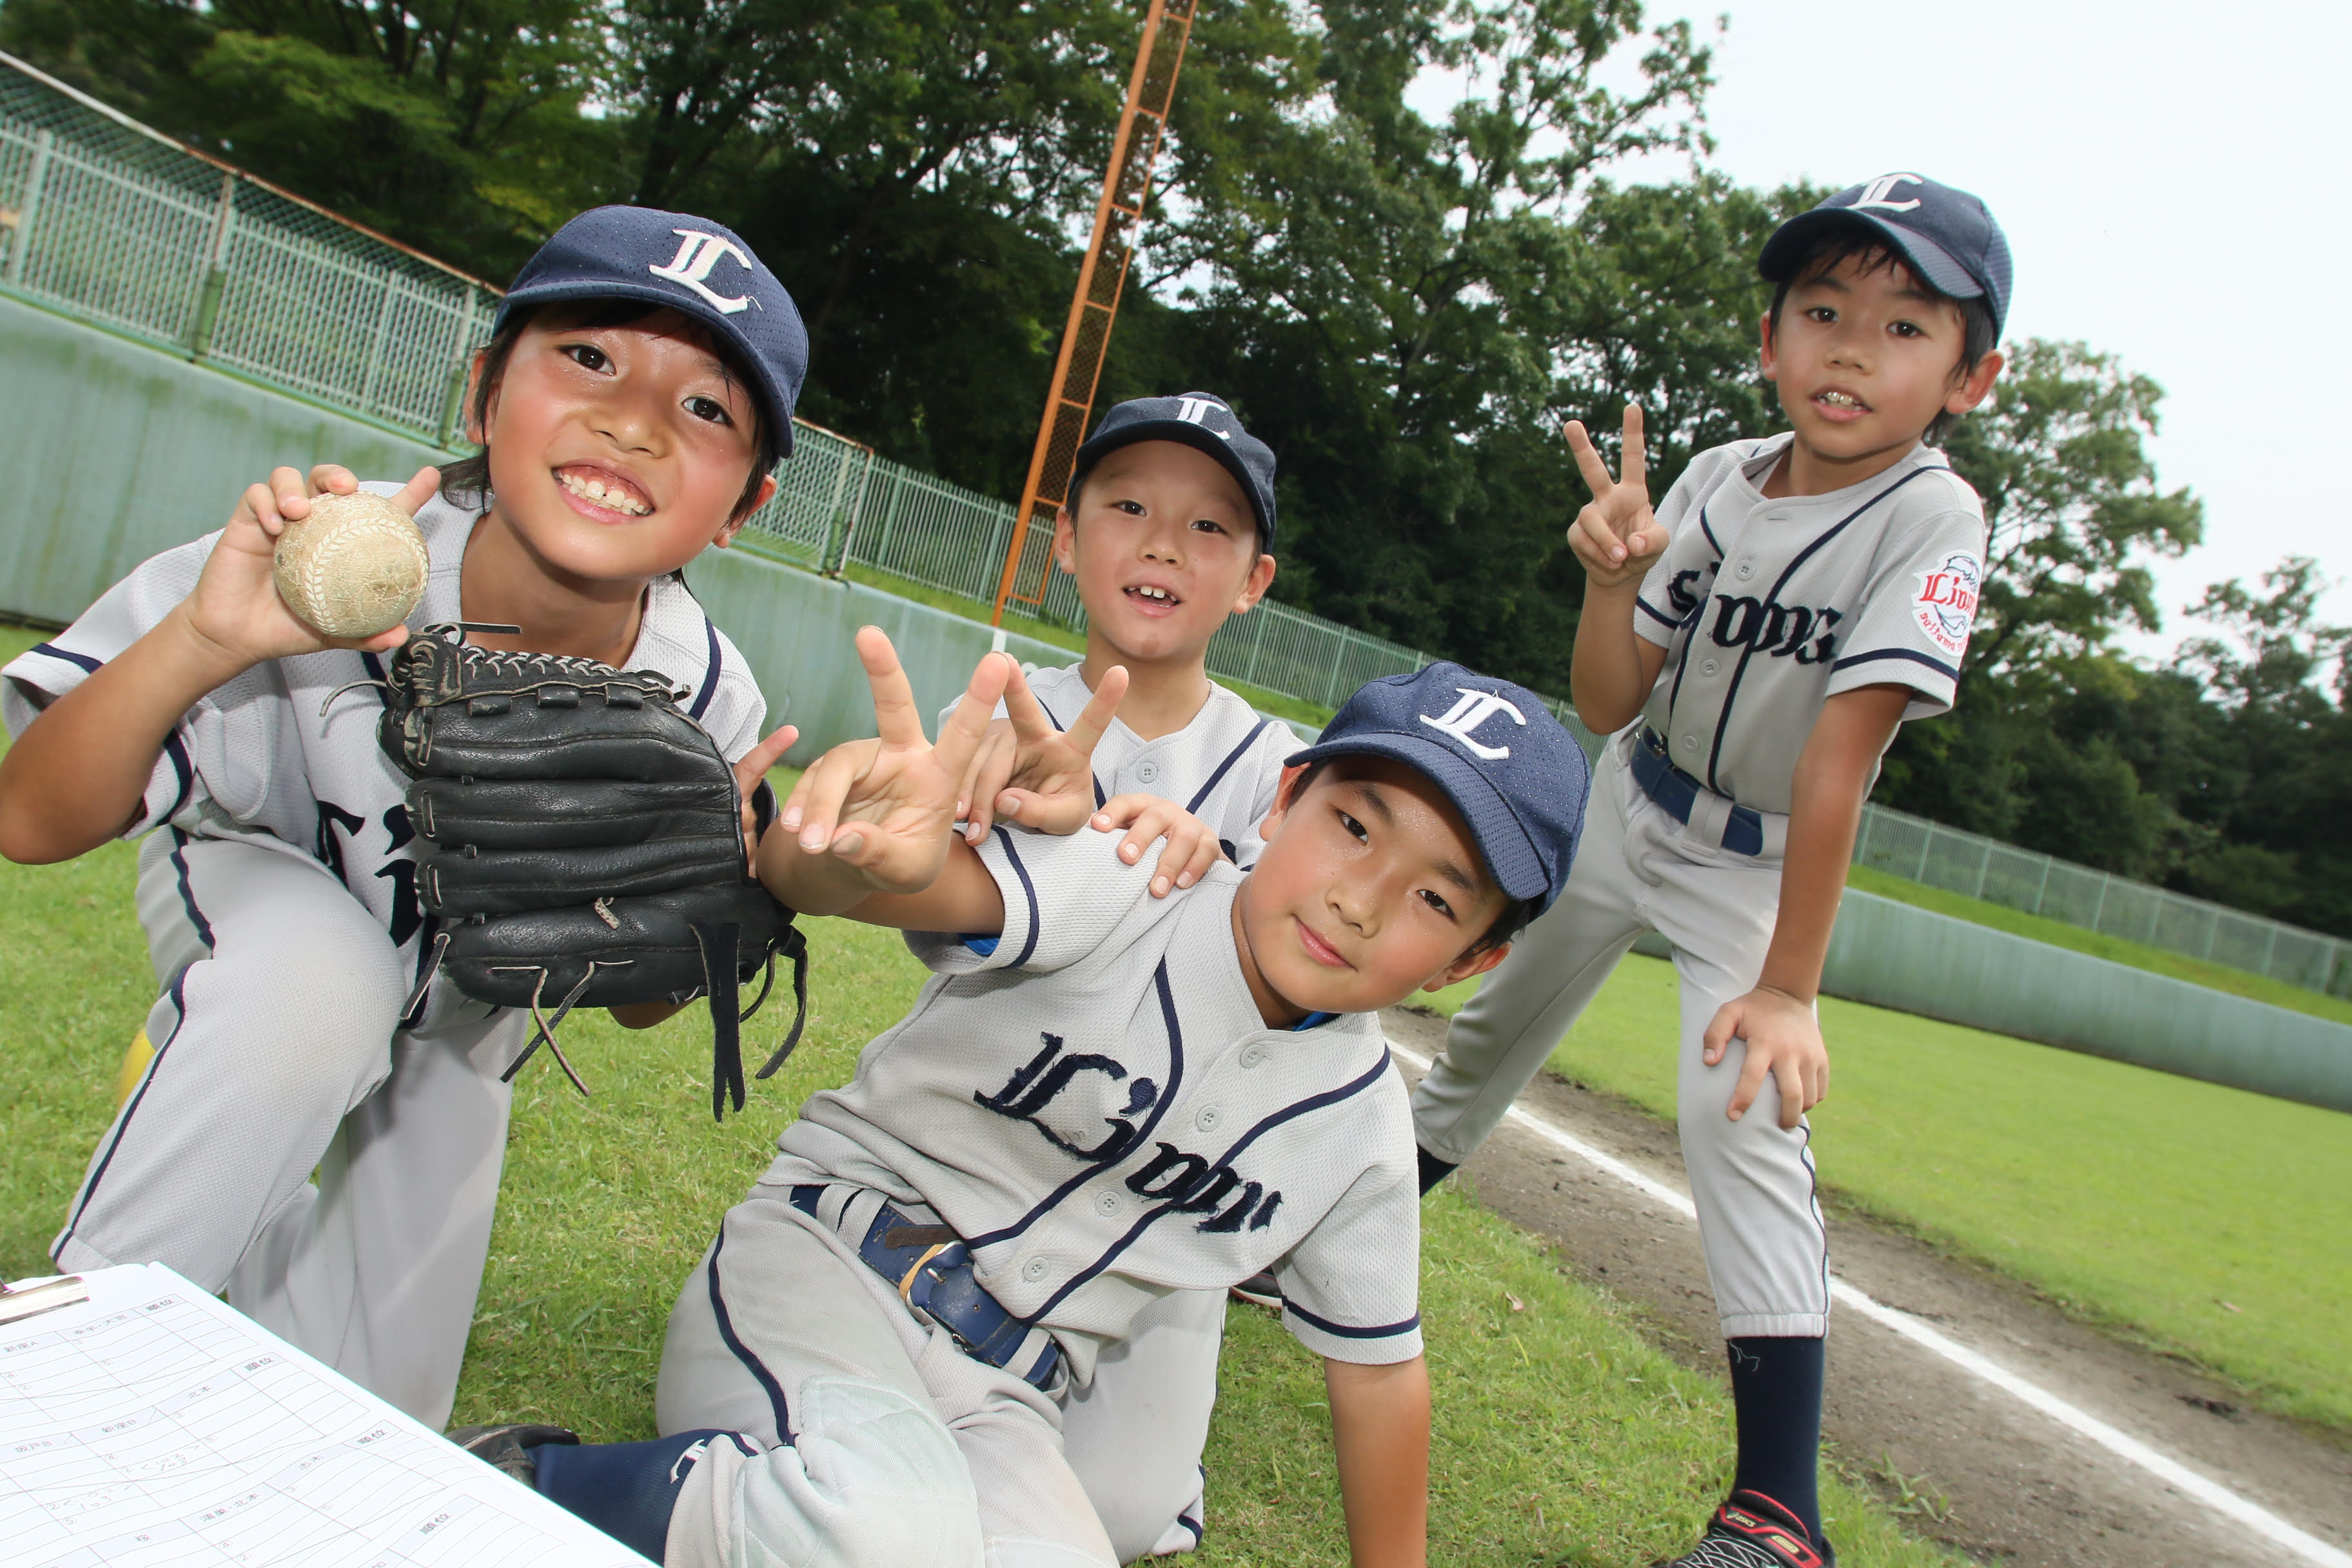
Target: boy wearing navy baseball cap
[[312, 1120], [1102, 1098], [1752, 648], [1169, 533]]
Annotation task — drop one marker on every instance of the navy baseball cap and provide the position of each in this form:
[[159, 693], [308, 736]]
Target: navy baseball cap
[[694, 266], [1513, 771], [1197, 419], [1947, 236]]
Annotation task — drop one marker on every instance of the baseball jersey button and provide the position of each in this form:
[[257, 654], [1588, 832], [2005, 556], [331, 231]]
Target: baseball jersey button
[[1708, 667], [1746, 570], [1253, 1053], [1690, 743], [1146, 772], [1106, 1205], [1206, 1118], [1034, 1270]]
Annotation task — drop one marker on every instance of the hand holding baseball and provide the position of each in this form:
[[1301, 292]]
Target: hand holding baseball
[[1616, 536], [237, 607]]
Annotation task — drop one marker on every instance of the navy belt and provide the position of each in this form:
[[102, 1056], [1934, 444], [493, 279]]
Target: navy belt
[[931, 1268], [1676, 793]]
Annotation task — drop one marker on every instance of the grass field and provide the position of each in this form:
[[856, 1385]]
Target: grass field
[[1561, 1436], [2207, 1220]]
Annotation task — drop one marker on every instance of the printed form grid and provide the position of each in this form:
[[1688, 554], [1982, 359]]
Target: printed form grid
[[160, 1435]]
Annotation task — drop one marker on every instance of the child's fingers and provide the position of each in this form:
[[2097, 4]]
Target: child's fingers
[[1149, 824], [1719, 1030], [1751, 1083], [1634, 462], [1060, 814], [1588, 460], [1793, 1099], [967, 728], [1187, 858], [895, 718], [1027, 716], [754, 765], [821, 791], [422, 487], [292, 493], [989, 772], [1121, 809], [1099, 711], [333, 478]]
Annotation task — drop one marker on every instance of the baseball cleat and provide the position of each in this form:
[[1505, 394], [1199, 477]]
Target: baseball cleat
[[1752, 1530], [1260, 1290], [508, 1446]]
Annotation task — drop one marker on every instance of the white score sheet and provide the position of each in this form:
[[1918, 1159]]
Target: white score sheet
[[152, 1426]]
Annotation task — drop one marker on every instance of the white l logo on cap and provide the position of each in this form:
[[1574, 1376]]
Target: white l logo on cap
[[1462, 721], [1876, 193], [698, 253], [1194, 411]]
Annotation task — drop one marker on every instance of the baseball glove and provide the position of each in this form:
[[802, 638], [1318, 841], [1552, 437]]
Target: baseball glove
[[581, 844]]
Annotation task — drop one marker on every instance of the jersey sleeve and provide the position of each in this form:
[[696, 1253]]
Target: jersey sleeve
[[1682, 575], [1350, 1289], [1065, 896], [1912, 628], [123, 615]]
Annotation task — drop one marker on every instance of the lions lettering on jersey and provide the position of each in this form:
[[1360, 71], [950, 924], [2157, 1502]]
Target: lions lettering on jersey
[[1070, 1097]]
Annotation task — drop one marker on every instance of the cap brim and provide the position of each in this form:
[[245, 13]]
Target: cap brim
[[775, 402], [1199, 438], [1503, 840], [1934, 264]]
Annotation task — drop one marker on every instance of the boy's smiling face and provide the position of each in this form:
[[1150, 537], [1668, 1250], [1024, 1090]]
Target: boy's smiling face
[[1371, 887], [1165, 547], [1865, 358], [619, 452]]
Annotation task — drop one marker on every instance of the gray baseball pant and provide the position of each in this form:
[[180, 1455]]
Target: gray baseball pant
[[881, 1444], [278, 1053], [1638, 870]]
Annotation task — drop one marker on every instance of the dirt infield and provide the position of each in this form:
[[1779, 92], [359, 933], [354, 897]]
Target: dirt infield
[[1974, 1465]]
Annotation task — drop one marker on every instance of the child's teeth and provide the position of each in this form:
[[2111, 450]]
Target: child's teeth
[[596, 489]]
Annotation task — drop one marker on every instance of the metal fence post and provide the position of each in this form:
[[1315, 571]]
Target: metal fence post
[[2099, 909], [1984, 865], [215, 281], [1338, 658], [1927, 842], [29, 213], [2042, 890], [1258, 641], [857, 510], [453, 406], [1861, 843], [376, 342], [881, 556]]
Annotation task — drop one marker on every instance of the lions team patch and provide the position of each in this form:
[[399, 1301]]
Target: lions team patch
[[1946, 606]]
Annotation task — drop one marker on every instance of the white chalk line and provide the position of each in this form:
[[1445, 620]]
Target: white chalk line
[[2173, 1473]]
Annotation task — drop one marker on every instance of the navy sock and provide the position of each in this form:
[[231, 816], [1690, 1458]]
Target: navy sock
[[625, 1490], [1776, 1392]]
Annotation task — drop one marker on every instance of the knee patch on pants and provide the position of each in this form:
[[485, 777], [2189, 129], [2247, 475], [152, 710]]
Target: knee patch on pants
[[871, 1477]]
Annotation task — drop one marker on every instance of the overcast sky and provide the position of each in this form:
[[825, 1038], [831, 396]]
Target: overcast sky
[[2173, 180]]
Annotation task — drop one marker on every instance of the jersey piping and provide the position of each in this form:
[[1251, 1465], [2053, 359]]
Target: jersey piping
[[1731, 688], [751, 1363], [1226, 766], [1029, 891]]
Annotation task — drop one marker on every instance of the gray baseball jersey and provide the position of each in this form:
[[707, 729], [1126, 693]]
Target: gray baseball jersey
[[1768, 608], [1095, 1104], [1222, 767]]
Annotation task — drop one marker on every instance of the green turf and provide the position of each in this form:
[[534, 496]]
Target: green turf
[[2139, 955], [2207, 1220]]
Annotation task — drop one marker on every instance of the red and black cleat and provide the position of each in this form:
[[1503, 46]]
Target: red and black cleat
[[1752, 1530]]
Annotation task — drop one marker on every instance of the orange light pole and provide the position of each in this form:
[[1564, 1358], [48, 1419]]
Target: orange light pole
[[1142, 126]]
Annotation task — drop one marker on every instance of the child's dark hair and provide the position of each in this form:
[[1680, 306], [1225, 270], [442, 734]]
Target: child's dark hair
[[467, 481], [1515, 915], [1851, 241]]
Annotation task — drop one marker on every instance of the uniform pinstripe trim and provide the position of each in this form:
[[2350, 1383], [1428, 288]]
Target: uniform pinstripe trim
[[187, 894], [751, 1363], [81, 661], [1289, 1113], [177, 991], [1731, 689], [1227, 765], [1704, 528], [184, 770], [710, 675], [1347, 1331], [1937, 665], [1028, 890], [1658, 615], [1143, 1133]]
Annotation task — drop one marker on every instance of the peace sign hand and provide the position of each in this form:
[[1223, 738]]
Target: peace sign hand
[[1028, 771], [1616, 536], [875, 815]]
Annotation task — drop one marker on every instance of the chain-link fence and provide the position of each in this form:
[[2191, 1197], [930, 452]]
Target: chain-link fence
[[117, 225], [1924, 851]]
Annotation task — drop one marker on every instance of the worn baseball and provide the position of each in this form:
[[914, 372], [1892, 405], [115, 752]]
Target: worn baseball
[[353, 568]]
